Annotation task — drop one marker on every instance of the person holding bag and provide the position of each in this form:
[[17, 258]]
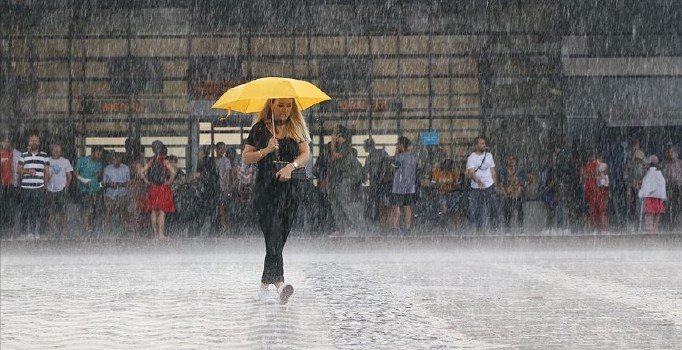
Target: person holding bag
[[278, 144], [480, 168], [653, 194]]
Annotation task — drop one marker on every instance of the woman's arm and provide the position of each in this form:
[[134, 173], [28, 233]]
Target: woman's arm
[[143, 172], [170, 168], [303, 154], [252, 155]]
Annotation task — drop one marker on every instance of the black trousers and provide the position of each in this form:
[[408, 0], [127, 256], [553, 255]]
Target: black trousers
[[9, 203], [275, 208], [33, 217], [509, 205]]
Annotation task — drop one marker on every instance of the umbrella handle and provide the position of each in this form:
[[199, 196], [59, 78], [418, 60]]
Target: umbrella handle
[[274, 131]]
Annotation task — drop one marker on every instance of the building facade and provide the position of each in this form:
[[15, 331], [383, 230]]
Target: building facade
[[530, 75]]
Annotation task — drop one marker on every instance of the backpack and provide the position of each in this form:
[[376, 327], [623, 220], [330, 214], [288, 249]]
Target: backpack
[[157, 172]]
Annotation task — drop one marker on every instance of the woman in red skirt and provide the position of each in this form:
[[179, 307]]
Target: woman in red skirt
[[157, 173], [594, 196], [653, 194]]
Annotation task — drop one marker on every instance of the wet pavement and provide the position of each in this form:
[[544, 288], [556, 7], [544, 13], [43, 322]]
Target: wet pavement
[[351, 293]]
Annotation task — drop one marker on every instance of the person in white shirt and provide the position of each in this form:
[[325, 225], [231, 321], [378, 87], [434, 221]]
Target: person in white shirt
[[482, 197], [116, 179], [58, 187], [653, 194], [34, 169]]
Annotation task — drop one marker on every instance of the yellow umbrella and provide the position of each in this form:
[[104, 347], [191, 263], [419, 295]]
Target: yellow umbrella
[[251, 97]]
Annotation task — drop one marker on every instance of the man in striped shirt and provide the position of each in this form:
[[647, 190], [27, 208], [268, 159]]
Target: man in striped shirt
[[34, 169]]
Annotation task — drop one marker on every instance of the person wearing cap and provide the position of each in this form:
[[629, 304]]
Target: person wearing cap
[[632, 176], [88, 171], [116, 180], [653, 193], [672, 172]]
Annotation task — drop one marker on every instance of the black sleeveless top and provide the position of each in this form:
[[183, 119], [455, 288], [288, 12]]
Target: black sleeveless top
[[288, 151]]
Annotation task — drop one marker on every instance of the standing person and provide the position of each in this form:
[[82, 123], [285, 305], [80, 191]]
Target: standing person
[[116, 180], [344, 172], [385, 193], [88, 171], [9, 193], [232, 204], [34, 169], [446, 179], [404, 184], [157, 174], [596, 203], [482, 197], [372, 172], [207, 181], [672, 172], [58, 188], [245, 178], [183, 197], [634, 172], [550, 191], [603, 187], [137, 193], [512, 182], [653, 194], [275, 197], [571, 196], [222, 162]]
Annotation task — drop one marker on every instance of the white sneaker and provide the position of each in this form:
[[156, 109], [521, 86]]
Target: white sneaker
[[265, 296], [285, 292]]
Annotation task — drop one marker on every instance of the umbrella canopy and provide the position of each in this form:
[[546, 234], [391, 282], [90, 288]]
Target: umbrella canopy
[[251, 97]]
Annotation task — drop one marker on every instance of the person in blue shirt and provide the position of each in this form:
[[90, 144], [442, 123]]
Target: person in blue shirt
[[88, 171]]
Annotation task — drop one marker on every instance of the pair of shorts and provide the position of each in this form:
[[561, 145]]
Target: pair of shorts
[[403, 200], [653, 206], [58, 201]]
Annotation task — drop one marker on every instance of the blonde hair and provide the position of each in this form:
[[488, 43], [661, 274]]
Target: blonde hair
[[296, 128]]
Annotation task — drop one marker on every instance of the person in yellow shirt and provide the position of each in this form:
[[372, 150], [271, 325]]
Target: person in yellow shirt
[[446, 180]]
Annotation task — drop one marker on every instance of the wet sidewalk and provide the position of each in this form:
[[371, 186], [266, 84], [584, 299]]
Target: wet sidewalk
[[351, 293]]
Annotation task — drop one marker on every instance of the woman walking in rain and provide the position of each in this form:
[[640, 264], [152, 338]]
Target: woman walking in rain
[[278, 144]]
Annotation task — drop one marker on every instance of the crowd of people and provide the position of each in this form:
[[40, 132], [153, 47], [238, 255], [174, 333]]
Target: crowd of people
[[128, 194]]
